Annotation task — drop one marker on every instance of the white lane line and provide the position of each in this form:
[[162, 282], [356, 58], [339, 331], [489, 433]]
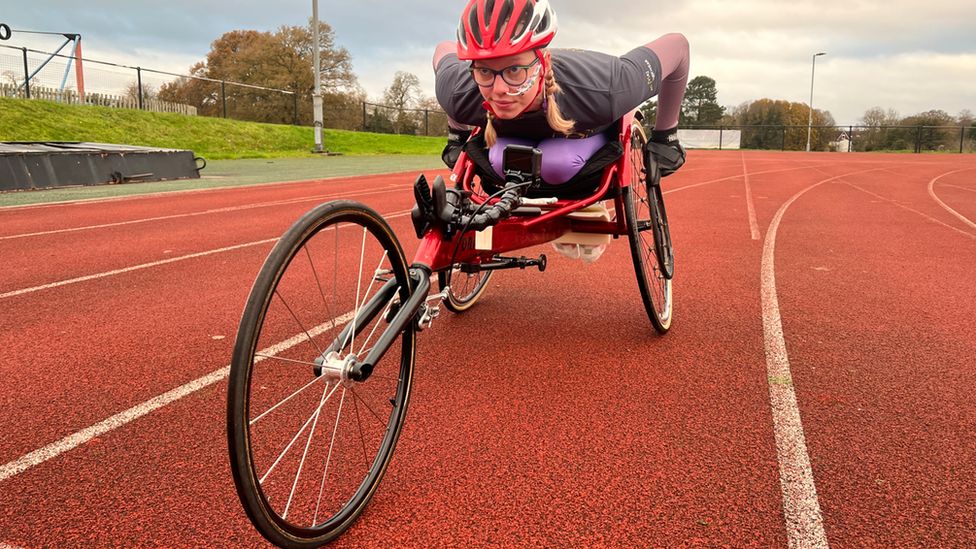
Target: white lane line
[[731, 177], [960, 187], [958, 215], [133, 268], [72, 441], [152, 264], [902, 206], [87, 201], [753, 223], [801, 507], [296, 200]]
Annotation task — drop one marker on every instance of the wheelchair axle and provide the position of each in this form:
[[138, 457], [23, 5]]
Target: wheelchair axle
[[506, 263]]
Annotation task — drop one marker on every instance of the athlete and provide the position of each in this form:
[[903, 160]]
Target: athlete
[[500, 75]]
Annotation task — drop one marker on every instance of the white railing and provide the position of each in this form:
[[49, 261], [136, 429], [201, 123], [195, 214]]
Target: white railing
[[70, 97]]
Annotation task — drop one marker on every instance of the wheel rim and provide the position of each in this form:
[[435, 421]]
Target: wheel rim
[[466, 287], [318, 445], [648, 236]]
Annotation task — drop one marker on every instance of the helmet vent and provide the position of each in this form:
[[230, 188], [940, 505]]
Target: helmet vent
[[522, 24], [473, 25]]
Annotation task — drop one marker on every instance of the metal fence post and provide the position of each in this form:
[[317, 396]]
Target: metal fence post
[[26, 74], [223, 96], [918, 140], [139, 85], [720, 137], [783, 142], [850, 138], [364, 116], [962, 137], [426, 122]]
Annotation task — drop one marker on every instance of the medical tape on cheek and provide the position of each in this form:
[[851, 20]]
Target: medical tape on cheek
[[528, 83]]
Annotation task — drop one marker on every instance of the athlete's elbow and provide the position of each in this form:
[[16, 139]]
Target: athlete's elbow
[[441, 50]]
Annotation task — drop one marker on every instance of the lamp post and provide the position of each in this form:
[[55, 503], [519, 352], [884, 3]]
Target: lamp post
[[813, 71], [317, 70]]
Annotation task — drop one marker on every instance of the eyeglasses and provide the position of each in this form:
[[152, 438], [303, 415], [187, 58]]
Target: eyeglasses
[[514, 76]]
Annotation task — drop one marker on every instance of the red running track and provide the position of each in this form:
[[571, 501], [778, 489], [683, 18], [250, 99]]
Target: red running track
[[561, 419]]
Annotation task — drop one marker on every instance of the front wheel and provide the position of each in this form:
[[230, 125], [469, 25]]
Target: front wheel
[[309, 446], [650, 237]]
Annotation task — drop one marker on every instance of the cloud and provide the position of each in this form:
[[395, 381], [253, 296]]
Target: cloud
[[895, 54]]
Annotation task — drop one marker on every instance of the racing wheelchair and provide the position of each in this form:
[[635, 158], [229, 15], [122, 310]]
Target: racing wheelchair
[[323, 362]]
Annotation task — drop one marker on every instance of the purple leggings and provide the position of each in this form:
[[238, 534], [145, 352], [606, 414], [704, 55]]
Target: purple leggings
[[561, 158]]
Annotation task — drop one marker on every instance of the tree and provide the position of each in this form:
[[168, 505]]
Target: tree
[[700, 106], [279, 60], [880, 133], [777, 124], [930, 132], [403, 93]]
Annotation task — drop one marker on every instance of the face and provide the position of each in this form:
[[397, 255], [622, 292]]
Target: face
[[509, 106]]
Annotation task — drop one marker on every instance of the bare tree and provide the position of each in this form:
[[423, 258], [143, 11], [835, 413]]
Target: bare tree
[[403, 93]]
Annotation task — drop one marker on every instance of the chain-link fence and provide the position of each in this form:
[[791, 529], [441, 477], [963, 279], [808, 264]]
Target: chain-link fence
[[27, 73], [918, 139]]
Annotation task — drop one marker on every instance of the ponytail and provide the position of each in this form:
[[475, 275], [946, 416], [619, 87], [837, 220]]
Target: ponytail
[[554, 115]]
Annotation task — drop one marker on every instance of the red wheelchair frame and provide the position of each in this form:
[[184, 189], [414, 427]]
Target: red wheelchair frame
[[396, 297], [520, 232]]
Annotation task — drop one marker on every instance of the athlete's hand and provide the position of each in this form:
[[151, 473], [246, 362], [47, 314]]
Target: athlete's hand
[[668, 152], [455, 143]]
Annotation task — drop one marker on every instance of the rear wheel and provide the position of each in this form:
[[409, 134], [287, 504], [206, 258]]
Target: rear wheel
[[650, 238], [308, 445], [466, 288]]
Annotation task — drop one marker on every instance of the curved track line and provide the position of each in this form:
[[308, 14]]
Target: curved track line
[[72, 441], [801, 508], [152, 264], [961, 217], [297, 200]]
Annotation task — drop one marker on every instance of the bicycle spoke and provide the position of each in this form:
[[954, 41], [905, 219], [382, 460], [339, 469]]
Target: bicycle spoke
[[301, 464], [328, 458], [272, 357], [362, 436], [299, 322], [300, 431], [359, 282], [289, 397], [318, 284], [377, 325], [378, 418]]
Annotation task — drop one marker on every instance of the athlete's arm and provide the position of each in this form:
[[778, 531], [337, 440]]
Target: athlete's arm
[[443, 49]]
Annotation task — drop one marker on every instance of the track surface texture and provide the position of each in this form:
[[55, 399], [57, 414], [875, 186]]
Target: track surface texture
[[816, 387]]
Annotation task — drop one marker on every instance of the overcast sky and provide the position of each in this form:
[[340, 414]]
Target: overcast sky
[[905, 55]]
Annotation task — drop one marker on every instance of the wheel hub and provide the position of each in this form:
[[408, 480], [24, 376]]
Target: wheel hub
[[336, 368]]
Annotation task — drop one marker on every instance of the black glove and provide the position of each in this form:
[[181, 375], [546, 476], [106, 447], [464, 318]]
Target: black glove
[[455, 143], [670, 155]]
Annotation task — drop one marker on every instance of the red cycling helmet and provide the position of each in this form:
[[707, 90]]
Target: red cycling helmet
[[498, 28]]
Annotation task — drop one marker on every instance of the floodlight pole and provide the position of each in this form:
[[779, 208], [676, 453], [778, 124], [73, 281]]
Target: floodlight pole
[[317, 70], [813, 71]]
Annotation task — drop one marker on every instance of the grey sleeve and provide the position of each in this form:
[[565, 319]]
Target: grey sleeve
[[638, 79], [599, 89], [457, 93]]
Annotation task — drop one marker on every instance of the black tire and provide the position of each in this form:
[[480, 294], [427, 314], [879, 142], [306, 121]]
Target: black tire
[[290, 299], [466, 289], [650, 240]]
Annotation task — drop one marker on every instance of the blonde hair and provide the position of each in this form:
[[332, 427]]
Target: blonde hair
[[554, 115]]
